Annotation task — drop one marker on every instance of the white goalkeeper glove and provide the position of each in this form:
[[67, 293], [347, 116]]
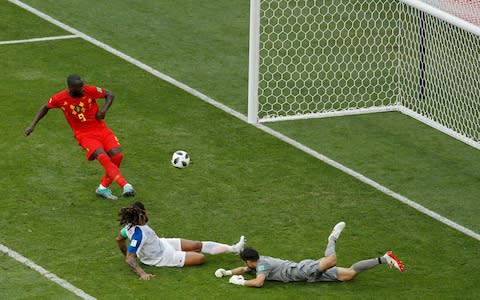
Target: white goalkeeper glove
[[237, 279], [222, 272]]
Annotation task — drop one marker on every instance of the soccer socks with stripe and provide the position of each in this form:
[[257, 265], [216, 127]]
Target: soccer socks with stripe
[[215, 248], [117, 160], [330, 246], [364, 265], [111, 170]]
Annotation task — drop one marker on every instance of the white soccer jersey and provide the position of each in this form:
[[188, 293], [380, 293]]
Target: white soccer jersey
[[145, 243]]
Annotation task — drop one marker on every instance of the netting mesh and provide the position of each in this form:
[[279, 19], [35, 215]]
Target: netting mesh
[[439, 72], [320, 56]]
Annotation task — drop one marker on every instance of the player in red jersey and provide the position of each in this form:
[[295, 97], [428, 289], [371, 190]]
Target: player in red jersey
[[82, 113]]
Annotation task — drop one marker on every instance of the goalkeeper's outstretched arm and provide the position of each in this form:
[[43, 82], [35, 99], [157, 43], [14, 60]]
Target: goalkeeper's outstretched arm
[[238, 279], [239, 270], [257, 282]]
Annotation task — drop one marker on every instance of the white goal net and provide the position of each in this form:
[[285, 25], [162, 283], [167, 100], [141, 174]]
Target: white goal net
[[318, 58]]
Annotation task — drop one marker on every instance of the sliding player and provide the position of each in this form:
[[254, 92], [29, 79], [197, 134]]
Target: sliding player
[[161, 252], [79, 105], [324, 269]]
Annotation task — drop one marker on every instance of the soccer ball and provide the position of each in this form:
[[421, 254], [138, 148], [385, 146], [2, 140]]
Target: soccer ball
[[180, 159]]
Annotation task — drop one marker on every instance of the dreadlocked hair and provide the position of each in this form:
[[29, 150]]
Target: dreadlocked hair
[[133, 215]]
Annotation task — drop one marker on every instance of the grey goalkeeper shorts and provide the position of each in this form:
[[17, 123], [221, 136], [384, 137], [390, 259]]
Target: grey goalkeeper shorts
[[313, 274]]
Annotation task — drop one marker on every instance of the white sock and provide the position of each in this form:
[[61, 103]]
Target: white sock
[[100, 186], [215, 248], [330, 246]]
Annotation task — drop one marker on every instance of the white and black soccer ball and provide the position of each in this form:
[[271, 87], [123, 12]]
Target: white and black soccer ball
[[180, 159]]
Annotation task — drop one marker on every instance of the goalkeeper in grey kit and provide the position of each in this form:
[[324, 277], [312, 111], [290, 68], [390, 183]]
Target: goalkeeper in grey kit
[[322, 270]]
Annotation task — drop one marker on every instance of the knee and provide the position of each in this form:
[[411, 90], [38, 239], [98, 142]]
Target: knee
[[331, 260], [194, 259], [117, 158], [327, 262], [98, 153], [115, 152], [346, 274]]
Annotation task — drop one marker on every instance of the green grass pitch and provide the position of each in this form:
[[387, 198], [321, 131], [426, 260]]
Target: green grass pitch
[[241, 180]]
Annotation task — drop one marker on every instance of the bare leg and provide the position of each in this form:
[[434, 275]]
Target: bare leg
[[194, 259], [345, 274], [188, 245], [327, 262]]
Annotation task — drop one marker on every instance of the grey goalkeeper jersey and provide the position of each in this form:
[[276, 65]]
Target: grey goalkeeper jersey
[[282, 270]]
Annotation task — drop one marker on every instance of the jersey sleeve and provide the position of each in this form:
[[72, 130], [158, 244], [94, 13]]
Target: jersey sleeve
[[135, 241], [94, 91], [263, 267], [123, 233], [53, 102]]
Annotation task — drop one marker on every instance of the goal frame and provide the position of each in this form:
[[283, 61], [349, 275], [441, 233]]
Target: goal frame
[[253, 74]]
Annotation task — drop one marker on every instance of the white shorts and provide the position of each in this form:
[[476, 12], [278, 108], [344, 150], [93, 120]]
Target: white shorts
[[173, 256]]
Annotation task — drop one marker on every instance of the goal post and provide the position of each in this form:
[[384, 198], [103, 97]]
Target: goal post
[[323, 58]]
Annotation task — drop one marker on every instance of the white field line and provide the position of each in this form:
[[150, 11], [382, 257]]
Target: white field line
[[47, 274], [242, 117], [42, 39]]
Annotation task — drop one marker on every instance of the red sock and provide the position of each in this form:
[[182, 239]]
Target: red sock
[[111, 169], [117, 160]]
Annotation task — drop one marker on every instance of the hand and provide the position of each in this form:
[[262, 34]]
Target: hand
[[28, 130], [100, 115], [237, 279], [146, 276], [222, 272]]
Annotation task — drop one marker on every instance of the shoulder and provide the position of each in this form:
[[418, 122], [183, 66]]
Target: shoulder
[[264, 264], [58, 97], [93, 90], [61, 95]]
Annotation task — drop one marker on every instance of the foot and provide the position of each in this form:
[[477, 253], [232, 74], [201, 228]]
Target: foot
[[393, 261], [128, 190], [337, 230], [238, 247], [105, 193]]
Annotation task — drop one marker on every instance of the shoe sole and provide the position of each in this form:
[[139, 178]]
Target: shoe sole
[[129, 194], [105, 197]]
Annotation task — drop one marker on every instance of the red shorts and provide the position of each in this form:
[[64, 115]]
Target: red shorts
[[93, 140]]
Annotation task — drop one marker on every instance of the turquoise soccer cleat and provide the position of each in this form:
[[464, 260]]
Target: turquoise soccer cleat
[[105, 193], [128, 191]]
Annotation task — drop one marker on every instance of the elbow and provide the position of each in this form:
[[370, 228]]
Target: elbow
[[44, 108], [109, 94], [128, 260]]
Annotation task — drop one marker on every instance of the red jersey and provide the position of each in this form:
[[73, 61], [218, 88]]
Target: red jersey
[[80, 112]]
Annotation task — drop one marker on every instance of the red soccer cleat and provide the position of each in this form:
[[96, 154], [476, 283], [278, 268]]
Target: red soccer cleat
[[393, 261]]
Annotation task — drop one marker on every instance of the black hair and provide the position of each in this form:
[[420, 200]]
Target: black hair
[[73, 79], [133, 215], [249, 254], [139, 205]]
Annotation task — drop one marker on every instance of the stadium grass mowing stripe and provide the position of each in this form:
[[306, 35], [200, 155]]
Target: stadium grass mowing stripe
[[42, 39], [47, 274], [372, 183], [242, 117], [130, 59]]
